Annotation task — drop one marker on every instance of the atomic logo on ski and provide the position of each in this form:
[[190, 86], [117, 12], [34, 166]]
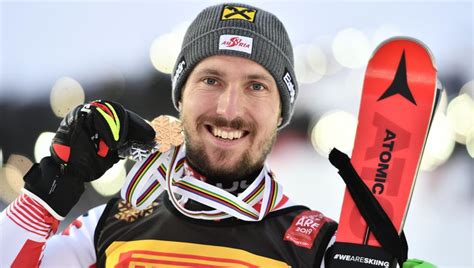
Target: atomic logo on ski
[[399, 84]]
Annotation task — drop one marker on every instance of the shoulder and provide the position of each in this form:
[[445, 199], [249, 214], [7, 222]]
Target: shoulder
[[306, 227], [312, 230], [307, 232], [310, 227]]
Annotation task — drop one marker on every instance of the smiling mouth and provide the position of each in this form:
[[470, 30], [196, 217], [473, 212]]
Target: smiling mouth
[[228, 134]]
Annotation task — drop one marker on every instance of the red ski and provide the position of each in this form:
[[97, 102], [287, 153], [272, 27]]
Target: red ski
[[396, 109]]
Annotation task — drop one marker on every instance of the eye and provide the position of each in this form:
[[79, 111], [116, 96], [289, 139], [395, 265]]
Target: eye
[[210, 81], [257, 87]]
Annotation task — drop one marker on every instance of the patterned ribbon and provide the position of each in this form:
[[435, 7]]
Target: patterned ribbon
[[165, 172]]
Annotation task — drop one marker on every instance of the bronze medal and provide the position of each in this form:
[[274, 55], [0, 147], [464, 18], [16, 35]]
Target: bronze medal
[[169, 132]]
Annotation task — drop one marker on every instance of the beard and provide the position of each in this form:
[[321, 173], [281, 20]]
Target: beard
[[248, 165]]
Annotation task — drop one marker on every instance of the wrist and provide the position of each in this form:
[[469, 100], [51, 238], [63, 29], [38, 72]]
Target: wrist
[[43, 204], [55, 190], [30, 215]]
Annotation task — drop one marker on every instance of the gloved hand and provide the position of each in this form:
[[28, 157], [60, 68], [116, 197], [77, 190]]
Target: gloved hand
[[85, 146], [414, 263]]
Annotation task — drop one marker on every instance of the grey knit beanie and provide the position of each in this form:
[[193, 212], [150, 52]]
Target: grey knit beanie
[[239, 30]]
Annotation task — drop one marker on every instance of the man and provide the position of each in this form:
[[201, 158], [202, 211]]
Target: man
[[234, 86]]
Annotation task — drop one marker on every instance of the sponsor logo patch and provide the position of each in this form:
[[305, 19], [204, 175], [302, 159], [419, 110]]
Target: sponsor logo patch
[[360, 259], [236, 42], [305, 227], [238, 13], [289, 81]]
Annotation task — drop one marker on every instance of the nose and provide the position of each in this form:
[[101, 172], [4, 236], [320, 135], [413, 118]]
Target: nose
[[229, 103]]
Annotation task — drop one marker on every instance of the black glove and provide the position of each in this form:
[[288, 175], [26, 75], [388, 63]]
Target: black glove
[[85, 146]]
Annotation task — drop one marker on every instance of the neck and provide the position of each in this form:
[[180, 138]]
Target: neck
[[232, 185]]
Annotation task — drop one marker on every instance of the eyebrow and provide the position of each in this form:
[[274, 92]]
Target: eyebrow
[[216, 72], [210, 71], [265, 78]]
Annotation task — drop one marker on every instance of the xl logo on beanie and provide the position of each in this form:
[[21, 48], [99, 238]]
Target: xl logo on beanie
[[179, 70], [238, 13], [290, 85]]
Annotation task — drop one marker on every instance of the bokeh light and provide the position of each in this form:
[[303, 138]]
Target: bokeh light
[[20, 162], [11, 176], [353, 84], [468, 89], [66, 94], [112, 180], [351, 48], [460, 112], [335, 129], [443, 102], [332, 66], [470, 142], [42, 145], [165, 49], [440, 143], [11, 182], [310, 63], [14, 178]]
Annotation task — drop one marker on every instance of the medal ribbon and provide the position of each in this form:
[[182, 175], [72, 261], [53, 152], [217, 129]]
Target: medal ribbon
[[165, 172]]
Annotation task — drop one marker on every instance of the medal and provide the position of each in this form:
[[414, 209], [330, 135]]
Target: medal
[[169, 132]]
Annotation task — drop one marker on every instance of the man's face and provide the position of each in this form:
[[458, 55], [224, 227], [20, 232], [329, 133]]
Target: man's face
[[230, 109]]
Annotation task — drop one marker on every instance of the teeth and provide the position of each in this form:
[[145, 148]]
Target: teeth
[[237, 134], [224, 134], [229, 135]]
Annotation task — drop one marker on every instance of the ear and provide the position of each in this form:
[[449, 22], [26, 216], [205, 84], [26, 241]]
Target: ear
[[180, 105], [280, 120]]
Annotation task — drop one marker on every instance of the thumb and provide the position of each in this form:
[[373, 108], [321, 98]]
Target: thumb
[[109, 120], [139, 131]]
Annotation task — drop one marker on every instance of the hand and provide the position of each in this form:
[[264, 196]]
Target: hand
[[89, 137], [84, 147]]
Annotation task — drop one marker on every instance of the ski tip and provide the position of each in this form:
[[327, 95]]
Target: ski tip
[[406, 38]]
